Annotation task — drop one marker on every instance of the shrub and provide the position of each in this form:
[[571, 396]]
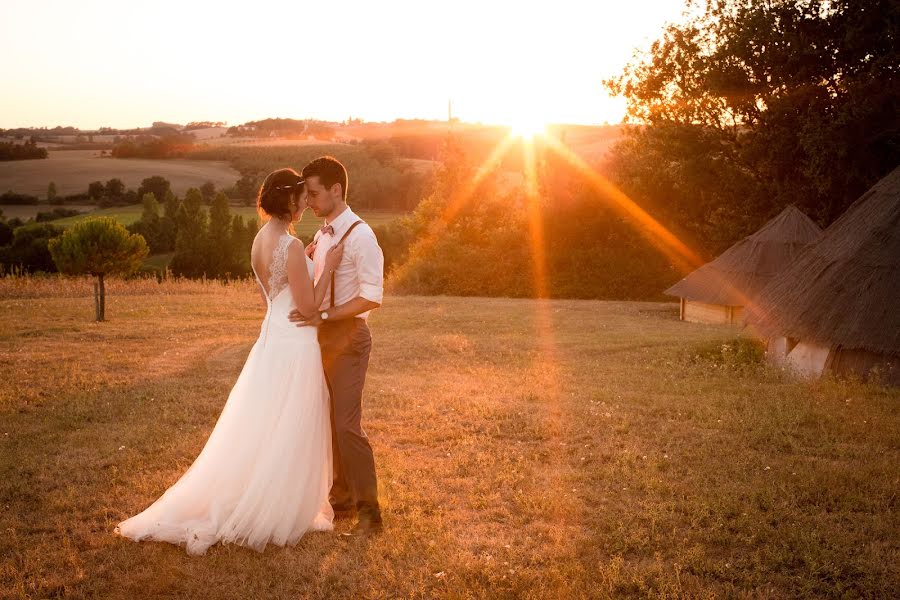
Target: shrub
[[28, 250], [738, 353]]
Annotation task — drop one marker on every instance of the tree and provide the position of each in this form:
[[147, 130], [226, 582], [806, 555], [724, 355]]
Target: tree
[[96, 190], [150, 211], [149, 226], [14, 151], [219, 253], [190, 241], [208, 190], [6, 233], [246, 188], [115, 188], [157, 185], [239, 254], [99, 247], [168, 222], [28, 249], [51, 192], [749, 106]]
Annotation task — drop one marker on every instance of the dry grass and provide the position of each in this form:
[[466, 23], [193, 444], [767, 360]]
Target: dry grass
[[566, 449]]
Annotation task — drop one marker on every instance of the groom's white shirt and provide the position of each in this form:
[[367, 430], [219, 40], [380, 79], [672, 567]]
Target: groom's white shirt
[[361, 272]]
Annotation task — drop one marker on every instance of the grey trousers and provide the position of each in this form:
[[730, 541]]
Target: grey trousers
[[345, 355]]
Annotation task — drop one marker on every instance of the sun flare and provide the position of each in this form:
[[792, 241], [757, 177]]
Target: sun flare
[[527, 127]]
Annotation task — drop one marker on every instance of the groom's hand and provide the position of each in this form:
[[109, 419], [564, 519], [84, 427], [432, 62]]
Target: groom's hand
[[295, 316], [301, 320]]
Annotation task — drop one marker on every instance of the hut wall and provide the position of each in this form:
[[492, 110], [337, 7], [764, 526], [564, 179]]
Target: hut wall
[[809, 359], [701, 312], [778, 348], [864, 364]]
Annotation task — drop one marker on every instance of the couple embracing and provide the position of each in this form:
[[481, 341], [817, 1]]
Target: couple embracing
[[288, 453]]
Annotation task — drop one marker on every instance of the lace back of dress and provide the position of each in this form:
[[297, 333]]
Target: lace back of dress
[[278, 279]]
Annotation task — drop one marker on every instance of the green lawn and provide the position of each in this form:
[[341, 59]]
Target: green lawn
[[562, 449]]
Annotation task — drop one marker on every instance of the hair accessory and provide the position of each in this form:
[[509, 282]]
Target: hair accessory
[[288, 186]]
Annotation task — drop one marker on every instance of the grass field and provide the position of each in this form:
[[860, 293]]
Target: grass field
[[566, 449], [306, 227], [73, 170]]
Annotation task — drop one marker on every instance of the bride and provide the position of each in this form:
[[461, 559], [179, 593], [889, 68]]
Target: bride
[[266, 469]]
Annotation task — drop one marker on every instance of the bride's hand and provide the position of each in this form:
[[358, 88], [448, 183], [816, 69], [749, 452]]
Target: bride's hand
[[334, 256]]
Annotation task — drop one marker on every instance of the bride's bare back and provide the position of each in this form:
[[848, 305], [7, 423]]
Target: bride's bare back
[[268, 257]]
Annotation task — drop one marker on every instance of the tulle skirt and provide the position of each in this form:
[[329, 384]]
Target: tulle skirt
[[265, 472]]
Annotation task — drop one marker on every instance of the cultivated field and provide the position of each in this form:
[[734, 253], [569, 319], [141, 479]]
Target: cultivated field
[[565, 449], [73, 170]]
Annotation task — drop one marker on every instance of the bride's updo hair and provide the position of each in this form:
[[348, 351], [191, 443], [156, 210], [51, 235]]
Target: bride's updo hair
[[280, 189]]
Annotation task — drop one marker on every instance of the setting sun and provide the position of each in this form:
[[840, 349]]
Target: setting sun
[[527, 127]]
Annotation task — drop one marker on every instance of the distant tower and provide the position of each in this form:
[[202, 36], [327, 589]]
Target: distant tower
[[449, 111]]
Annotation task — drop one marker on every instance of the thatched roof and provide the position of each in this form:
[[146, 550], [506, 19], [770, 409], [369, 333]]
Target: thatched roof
[[845, 289], [743, 270]]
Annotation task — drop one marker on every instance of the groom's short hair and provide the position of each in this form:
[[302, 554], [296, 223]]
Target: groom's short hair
[[329, 170]]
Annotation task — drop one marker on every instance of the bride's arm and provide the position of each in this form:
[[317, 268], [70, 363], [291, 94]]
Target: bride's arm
[[306, 299]]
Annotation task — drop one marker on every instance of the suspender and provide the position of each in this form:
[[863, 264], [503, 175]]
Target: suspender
[[343, 237]]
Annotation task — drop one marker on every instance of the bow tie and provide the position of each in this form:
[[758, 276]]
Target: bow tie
[[327, 229]]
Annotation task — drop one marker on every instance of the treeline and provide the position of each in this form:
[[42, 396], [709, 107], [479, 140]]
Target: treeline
[[104, 194], [285, 128], [564, 241], [199, 231], [380, 182], [24, 246], [203, 125], [211, 244], [24, 151], [111, 193], [172, 144], [784, 102]]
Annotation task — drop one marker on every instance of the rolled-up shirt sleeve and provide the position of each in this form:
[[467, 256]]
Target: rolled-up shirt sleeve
[[368, 260]]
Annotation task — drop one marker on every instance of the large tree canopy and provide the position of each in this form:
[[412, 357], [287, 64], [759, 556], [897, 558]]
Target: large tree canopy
[[749, 105]]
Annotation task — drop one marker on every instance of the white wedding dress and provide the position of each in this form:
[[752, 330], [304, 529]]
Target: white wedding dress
[[266, 469]]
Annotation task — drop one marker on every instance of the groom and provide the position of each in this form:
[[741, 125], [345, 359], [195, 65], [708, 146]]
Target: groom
[[357, 287]]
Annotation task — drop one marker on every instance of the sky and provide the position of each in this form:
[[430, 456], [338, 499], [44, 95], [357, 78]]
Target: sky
[[122, 64]]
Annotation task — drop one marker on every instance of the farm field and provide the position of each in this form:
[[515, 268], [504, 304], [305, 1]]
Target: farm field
[[526, 449], [73, 170]]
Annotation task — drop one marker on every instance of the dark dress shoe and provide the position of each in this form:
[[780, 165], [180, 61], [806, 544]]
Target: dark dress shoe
[[343, 510], [369, 520], [365, 527]]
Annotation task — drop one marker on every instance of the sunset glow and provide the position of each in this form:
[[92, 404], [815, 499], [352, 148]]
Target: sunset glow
[[527, 128], [103, 63]]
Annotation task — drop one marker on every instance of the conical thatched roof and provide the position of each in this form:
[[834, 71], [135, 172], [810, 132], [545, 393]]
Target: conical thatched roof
[[845, 289], [743, 270]]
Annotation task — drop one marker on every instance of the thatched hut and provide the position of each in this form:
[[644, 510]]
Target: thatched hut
[[837, 307], [718, 291]]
